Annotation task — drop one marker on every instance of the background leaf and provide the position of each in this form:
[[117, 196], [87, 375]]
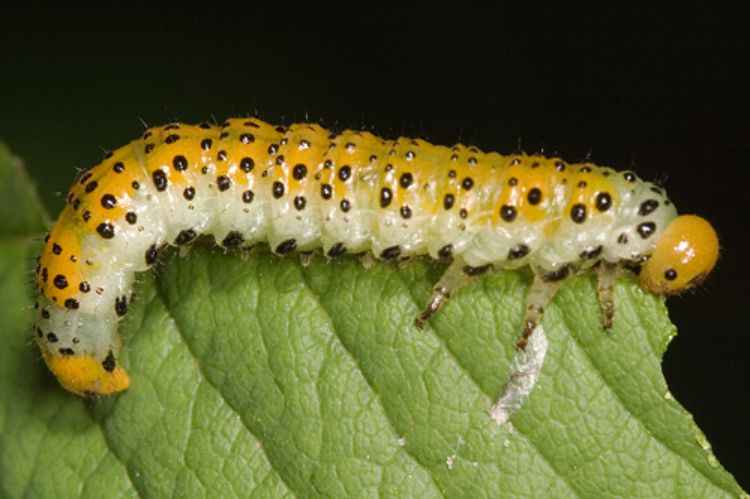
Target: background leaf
[[261, 377]]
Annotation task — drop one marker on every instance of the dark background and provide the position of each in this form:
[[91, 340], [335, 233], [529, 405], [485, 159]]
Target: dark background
[[663, 91]]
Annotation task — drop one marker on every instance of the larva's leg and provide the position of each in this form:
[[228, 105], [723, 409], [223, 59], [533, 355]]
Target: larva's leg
[[541, 293], [456, 276], [607, 274]]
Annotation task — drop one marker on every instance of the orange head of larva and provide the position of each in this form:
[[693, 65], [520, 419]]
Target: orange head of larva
[[84, 375], [685, 254]]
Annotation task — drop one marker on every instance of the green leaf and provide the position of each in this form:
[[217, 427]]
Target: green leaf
[[258, 376]]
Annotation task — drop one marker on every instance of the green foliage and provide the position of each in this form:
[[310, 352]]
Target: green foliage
[[262, 377]]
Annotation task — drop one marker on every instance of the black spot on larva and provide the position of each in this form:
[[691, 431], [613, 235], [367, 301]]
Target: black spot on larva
[[519, 251], [56, 248], [91, 186], [448, 201], [670, 274], [204, 125], [300, 202], [224, 125], [452, 174], [171, 126], [286, 246], [406, 180], [603, 201], [69, 198], [325, 191], [67, 351], [646, 229], [578, 213], [248, 196], [560, 166], [151, 255], [251, 124], [475, 271], [71, 304], [385, 197], [273, 149], [345, 205], [206, 144], [232, 239], [160, 180], [390, 253], [45, 313], [647, 207], [108, 201], [107, 154], [534, 196], [463, 213], [185, 237], [180, 163], [472, 161], [204, 170], [629, 176], [515, 161], [108, 364], [131, 217], [223, 135], [221, 155], [39, 332], [410, 155], [278, 189], [591, 253], [135, 185], [305, 144], [467, 183], [106, 230], [345, 172], [121, 305], [280, 158], [454, 157], [337, 249], [327, 164], [52, 337], [86, 216], [299, 171], [84, 287], [118, 167], [445, 251], [657, 190], [247, 164], [188, 193], [373, 157], [512, 181], [171, 139], [223, 182], [582, 184], [405, 211], [247, 138], [557, 275], [148, 148], [76, 204], [622, 238], [508, 213], [45, 274]]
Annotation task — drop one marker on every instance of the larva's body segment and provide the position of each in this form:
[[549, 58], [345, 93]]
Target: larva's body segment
[[303, 188]]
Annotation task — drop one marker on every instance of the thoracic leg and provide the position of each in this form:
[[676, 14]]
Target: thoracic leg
[[607, 274], [456, 276], [540, 294]]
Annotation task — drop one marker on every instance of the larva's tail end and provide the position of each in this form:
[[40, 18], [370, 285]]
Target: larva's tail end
[[86, 376]]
